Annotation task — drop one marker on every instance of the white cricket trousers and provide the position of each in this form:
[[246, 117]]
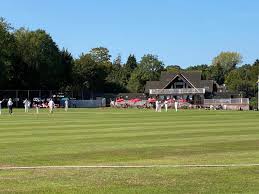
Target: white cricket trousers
[[166, 107], [176, 106]]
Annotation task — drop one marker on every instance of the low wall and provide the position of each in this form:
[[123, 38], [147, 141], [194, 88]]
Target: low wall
[[236, 107], [226, 101], [87, 103], [229, 103]]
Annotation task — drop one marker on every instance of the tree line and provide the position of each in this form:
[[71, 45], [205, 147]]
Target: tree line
[[32, 60]]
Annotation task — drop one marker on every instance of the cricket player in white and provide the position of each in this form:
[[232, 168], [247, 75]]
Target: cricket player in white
[[112, 104], [1, 106], [157, 105], [166, 105], [66, 105], [29, 104], [26, 105], [51, 106], [176, 105], [10, 106], [37, 107]]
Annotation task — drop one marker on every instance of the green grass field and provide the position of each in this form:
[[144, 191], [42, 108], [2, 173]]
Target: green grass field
[[129, 137]]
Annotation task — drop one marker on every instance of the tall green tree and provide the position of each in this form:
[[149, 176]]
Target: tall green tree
[[131, 63], [7, 53], [117, 62], [174, 68], [136, 83], [67, 62], [149, 69], [205, 69], [217, 74], [41, 59], [100, 55], [241, 80], [88, 74], [130, 66], [227, 61], [255, 70], [117, 78]]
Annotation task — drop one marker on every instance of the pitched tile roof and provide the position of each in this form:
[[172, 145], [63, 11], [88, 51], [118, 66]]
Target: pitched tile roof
[[154, 85], [208, 85], [193, 76]]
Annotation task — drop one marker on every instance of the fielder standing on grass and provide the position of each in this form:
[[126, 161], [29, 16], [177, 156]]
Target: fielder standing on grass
[[26, 105], [51, 106], [157, 104], [1, 106], [160, 106], [37, 106], [10, 106], [166, 105], [176, 105], [66, 105]]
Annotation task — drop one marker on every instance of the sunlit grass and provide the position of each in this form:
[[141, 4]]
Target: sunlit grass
[[129, 137]]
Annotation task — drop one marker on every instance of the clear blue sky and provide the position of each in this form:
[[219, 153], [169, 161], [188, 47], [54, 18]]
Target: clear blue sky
[[183, 32]]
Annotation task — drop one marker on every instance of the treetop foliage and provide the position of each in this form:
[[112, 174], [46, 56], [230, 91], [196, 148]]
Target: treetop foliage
[[33, 60]]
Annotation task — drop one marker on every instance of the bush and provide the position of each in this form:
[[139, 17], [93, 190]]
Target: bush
[[253, 103]]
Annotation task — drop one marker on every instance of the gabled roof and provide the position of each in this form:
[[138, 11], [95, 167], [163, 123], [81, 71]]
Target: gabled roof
[[180, 76], [154, 85], [208, 85], [193, 76]]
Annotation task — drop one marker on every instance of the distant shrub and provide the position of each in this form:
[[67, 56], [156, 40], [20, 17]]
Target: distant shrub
[[253, 103]]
